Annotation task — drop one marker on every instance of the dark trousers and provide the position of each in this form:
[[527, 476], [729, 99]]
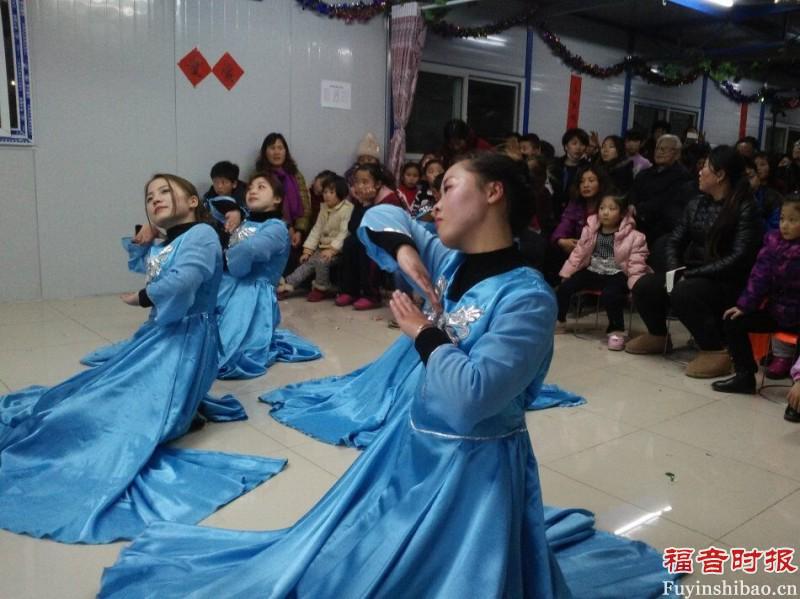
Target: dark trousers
[[736, 333], [697, 302], [613, 295], [359, 276]]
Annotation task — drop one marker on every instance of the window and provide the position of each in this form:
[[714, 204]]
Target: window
[[489, 104], [679, 119], [15, 97]]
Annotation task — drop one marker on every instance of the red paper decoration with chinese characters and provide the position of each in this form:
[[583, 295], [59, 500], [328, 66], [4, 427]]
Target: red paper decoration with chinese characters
[[574, 105], [228, 71], [195, 66]]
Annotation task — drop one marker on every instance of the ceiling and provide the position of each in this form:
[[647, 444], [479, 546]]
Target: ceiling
[[762, 36]]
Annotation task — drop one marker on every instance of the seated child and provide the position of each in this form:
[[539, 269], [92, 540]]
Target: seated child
[[409, 179], [225, 182], [425, 199], [324, 243], [609, 257], [360, 276], [792, 413], [774, 279]]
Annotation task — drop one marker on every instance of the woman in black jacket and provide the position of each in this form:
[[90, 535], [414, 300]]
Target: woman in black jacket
[[715, 244]]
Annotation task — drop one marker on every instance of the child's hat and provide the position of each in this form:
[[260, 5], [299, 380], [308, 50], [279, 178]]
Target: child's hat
[[368, 146]]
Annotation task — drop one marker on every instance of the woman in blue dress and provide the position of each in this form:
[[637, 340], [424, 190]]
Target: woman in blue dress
[[250, 340], [85, 461], [445, 502]]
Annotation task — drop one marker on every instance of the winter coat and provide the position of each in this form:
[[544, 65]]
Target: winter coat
[[776, 278], [573, 219], [688, 244], [330, 229], [660, 196], [630, 250]]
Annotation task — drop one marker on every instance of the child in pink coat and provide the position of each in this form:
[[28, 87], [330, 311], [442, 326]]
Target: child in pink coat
[[609, 257]]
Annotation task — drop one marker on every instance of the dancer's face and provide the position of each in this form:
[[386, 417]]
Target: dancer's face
[[463, 205]]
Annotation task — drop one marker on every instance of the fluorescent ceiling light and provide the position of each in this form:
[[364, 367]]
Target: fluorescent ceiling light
[[725, 3]]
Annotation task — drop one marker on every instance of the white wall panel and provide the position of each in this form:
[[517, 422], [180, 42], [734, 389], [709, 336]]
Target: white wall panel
[[326, 49], [214, 123], [500, 53], [722, 118], [111, 108], [601, 99], [105, 120], [19, 250]]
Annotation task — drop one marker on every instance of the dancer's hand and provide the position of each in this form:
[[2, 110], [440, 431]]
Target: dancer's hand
[[410, 263], [408, 316], [132, 299], [232, 220], [146, 235], [327, 255]]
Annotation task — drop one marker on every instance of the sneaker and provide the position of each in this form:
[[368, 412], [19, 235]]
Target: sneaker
[[317, 295], [778, 368], [791, 414], [365, 303], [616, 341], [344, 299]]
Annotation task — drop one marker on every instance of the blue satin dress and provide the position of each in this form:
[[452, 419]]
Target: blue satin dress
[[445, 502], [250, 340], [85, 461]]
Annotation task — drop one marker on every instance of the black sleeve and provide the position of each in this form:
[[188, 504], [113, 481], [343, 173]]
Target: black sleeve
[[679, 237], [428, 340], [746, 240], [390, 241], [144, 299]]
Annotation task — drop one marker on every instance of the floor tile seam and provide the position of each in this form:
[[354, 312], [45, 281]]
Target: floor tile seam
[[642, 507], [793, 479], [336, 475], [769, 507], [592, 446]]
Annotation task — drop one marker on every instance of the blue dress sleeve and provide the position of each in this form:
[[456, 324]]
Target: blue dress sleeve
[[195, 262], [433, 252], [269, 241], [463, 389], [137, 255]]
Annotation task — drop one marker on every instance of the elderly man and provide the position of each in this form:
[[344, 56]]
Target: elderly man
[[659, 195]]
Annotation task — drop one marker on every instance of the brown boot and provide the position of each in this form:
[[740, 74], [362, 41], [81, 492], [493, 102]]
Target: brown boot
[[649, 344], [710, 364]]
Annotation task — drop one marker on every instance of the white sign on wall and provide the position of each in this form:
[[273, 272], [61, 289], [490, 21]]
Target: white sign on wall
[[335, 94]]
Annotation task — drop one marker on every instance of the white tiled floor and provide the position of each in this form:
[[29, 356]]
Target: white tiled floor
[[725, 468]]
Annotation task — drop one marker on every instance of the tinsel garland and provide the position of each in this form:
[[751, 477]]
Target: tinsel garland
[[364, 11], [357, 11]]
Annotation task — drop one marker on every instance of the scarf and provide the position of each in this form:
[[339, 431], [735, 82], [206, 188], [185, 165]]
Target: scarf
[[292, 202]]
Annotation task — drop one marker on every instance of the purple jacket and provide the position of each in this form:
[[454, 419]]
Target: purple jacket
[[572, 222], [776, 278]]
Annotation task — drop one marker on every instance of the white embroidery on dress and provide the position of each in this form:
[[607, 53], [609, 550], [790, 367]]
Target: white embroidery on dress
[[456, 323], [156, 263], [242, 233]]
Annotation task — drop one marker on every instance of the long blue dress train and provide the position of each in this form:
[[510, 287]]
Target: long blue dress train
[[445, 502], [85, 461], [351, 409], [250, 340]]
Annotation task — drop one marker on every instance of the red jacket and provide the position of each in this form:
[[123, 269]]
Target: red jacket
[[630, 250]]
